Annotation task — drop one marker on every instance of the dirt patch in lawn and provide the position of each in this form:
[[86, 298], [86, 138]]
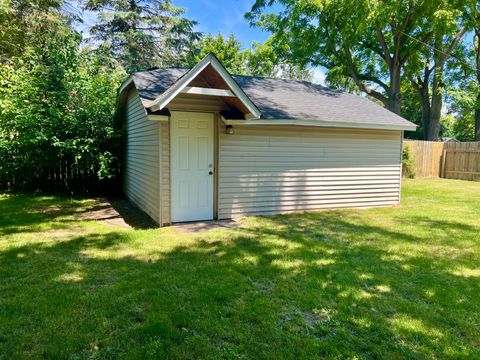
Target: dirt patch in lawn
[[117, 212]]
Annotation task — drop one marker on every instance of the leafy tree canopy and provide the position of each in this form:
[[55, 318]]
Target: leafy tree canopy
[[22, 19], [371, 44], [260, 60], [265, 60], [227, 50], [56, 106], [368, 41]]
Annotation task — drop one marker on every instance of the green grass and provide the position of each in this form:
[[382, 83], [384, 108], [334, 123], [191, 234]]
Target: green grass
[[380, 283]]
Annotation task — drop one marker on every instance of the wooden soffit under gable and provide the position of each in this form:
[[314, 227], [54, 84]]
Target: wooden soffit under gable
[[210, 78]]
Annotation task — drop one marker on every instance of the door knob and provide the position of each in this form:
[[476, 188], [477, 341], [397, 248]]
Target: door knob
[[210, 172]]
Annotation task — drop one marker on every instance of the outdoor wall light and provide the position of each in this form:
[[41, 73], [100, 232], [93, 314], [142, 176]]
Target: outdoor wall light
[[229, 129]]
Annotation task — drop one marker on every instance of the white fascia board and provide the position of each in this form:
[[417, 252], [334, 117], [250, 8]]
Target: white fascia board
[[158, 117], [237, 90], [160, 102], [320, 123], [206, 91]]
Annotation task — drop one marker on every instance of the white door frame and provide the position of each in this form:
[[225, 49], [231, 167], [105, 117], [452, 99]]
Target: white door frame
[[196, 205]]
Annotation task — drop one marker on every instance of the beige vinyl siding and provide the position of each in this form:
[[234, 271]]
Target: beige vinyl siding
[[280, 169], [142, 185], [165, 171]]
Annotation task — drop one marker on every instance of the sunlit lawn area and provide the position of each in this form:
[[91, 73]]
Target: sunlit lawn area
[[380, 283]]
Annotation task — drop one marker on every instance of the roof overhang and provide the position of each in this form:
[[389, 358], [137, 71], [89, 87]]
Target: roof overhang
[[322, 123], [126, 83], [160, 115], [165, 98]]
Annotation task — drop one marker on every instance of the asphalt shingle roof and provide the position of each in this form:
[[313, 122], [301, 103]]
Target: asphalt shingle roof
[[283, 99]]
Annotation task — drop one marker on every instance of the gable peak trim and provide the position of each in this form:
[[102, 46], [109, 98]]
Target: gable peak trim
[[160, 102]]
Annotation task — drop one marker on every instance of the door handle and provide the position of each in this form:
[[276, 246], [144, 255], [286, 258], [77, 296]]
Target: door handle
[[210, 172]]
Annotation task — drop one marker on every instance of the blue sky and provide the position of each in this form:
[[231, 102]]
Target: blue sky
[[225, 17]]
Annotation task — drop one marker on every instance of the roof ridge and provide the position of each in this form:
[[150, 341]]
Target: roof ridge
[[282, 79], [162, 68], [240, 75]]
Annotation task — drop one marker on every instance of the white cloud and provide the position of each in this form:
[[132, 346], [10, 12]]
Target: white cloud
[[231, 19], [209, 4]]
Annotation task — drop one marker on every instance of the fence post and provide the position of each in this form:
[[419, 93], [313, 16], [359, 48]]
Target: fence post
[[444, 160]]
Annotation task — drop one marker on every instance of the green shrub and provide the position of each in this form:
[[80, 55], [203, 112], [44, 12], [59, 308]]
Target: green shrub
[[56, 115], [407, 162]]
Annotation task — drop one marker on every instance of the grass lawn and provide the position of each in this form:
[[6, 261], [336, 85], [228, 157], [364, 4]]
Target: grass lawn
[[380, 283]]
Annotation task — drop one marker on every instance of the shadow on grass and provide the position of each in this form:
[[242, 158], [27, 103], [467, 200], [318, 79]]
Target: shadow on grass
[[132, 215], [26, 213], [298, 286], [20, 213]]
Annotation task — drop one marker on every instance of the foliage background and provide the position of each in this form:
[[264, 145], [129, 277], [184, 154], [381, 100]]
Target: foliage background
[[58, 88]]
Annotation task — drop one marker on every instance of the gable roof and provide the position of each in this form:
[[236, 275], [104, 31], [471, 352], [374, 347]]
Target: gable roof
[[162, 99], [286, 101]]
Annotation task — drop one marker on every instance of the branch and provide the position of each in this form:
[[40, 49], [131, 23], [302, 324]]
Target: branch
[[410, 18], [375, 49], [397, 39], [375, 80], [409, 21], [453, 45], [356, 78], [412, 50], [383, 44], [415, 83]]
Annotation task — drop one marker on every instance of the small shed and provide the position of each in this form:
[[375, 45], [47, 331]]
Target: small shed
[[203, 144]]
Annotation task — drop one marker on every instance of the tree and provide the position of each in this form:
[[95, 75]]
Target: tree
[[228, 51], [142, 33], [34, 98], [412, 110], [426, 69], [260, 60], [264, 60], [368, 41], [462, 92], [20, 20], [476, 46], [56, 106]]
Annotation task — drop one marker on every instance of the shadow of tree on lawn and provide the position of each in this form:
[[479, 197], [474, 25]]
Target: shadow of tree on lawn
[[297, 286], [25, 213]]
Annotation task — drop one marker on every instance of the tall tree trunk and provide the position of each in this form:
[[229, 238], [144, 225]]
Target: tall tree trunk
[[433, 130], [477, 105], [477, 119], [425, 110], [395, 96], [422, 86]]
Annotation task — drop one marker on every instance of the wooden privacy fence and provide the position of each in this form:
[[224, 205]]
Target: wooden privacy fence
[[62, 177], [451, 160], [426, 156], [461, 161]]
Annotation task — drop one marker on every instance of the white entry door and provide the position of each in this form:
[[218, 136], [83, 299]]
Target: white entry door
[[191, 139]]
